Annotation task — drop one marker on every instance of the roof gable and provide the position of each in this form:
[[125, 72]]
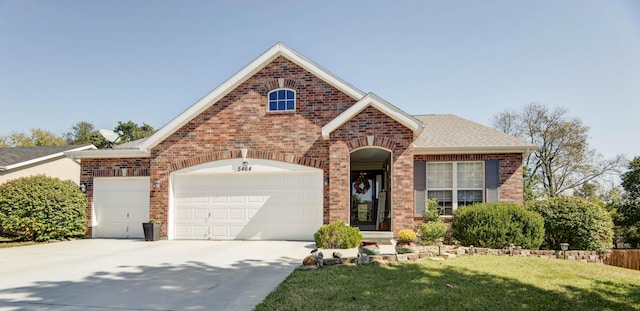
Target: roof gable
[[279, 49], [450, 134], [16, 157], [374, 101]]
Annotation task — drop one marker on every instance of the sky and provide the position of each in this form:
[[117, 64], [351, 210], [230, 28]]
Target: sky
[[62, 62]]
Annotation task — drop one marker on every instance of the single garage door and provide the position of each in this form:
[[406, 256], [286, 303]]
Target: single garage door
[[247, 205], [120, 206]]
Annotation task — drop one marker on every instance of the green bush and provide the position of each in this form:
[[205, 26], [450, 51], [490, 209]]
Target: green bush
[[497, 226], [582, 223], [337, 235], [431, 231], [40, 208]]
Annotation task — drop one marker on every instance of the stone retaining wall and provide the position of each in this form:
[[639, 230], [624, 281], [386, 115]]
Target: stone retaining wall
[[449, 251]]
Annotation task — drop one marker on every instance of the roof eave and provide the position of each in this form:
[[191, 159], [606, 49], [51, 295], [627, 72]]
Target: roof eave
[[108, 153], [45, 158], [473, 150], [374, 101]]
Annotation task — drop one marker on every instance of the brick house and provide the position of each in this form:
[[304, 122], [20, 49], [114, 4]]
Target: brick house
[[284, 146]]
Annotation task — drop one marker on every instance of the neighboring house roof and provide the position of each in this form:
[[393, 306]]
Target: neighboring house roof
[[16, 157], [279, 49], [382, 105], [126, 150], [450, 134]]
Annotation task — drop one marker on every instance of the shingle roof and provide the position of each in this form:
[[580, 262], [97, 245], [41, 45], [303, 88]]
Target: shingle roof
[[14, 156], [448, 133]]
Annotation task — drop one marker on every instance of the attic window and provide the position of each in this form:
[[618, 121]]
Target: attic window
[[282, 100]]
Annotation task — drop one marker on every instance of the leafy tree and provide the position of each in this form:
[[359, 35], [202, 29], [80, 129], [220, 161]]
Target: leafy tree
[[84, 133], [132, 131], [563, 160], [627, 218], [37, 137]]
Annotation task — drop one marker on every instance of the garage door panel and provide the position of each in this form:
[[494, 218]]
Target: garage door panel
[[253, 206], [120, 207]]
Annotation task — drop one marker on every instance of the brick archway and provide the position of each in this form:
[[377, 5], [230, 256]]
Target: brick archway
[[255, 154], [363, 141]]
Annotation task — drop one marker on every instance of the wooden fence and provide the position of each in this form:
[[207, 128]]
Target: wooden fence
[[626, 258]]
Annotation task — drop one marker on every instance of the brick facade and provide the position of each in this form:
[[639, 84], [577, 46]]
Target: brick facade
[[241, 120]]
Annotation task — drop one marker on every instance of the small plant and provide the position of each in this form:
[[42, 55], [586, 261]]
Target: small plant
[[154, 221], [406, 235], [431, 231], [337, 235]]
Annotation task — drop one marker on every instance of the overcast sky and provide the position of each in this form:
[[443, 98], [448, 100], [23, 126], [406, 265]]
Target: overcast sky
[[62, 62]]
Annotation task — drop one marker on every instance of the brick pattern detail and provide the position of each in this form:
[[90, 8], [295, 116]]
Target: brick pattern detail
[[275, 84]]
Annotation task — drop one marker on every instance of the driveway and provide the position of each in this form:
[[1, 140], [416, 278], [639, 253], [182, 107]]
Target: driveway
[[101, 274]]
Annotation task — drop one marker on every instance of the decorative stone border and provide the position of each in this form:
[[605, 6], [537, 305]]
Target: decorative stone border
[[452, 251]]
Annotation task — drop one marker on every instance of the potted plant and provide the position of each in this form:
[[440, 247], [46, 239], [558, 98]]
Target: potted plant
[[406, 241], [151, 230]]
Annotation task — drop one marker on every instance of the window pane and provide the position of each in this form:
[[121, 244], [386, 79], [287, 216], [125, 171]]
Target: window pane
[[273, 96], [470, 175], [273, 105], [281, 105], [290, 95], [444, 198], [290, 105], [439, 175], [281, 94], [468, 197]]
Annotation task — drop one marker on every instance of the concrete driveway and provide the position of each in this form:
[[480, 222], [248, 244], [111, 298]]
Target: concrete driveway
[[136, 275]]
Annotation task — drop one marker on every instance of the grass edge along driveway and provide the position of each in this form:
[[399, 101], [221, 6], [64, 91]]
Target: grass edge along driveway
[[463, 283]]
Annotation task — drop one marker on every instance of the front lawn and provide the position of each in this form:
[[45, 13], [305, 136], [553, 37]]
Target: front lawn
[[463, 283]]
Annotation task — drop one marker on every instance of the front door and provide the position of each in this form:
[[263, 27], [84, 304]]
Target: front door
[[365, 198]]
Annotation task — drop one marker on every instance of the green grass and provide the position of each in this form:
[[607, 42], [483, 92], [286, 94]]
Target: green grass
[[476, 283]]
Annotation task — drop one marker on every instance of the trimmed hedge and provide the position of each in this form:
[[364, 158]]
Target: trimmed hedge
[[582, 223], [40, 208], [497, 226], [337, 235], [431, 231]]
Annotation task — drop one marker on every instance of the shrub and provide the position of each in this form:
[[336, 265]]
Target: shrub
[[406, 235], [433, 228], [431, 231], [40, 208], [497, 226], [582, 223], [337, 235]]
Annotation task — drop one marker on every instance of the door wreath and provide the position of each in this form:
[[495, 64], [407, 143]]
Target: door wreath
[[361, 185]]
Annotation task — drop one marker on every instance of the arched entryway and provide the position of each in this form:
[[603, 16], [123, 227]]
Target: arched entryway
[[370, 189]]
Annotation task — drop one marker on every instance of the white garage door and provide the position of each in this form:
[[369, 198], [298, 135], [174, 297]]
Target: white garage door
[[120, 206], [247, 205]]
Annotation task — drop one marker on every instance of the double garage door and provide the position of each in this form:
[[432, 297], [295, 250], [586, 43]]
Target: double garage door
[[247, 206]]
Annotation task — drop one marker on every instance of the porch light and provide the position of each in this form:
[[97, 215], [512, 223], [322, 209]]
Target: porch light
[[564, 247], [157, 183], [83, 187], [326, 182]]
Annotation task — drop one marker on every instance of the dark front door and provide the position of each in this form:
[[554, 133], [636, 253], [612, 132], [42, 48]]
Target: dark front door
[[365, 195]]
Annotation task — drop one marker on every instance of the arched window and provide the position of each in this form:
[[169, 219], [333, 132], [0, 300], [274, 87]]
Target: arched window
[[282, 100]]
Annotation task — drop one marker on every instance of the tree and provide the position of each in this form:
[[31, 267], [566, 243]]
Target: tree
[[627, 218], [563, 160], [38, 137], [84, 133], [131, 131]]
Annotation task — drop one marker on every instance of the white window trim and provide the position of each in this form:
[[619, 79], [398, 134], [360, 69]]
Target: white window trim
[[295, 100], [454, 190]]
